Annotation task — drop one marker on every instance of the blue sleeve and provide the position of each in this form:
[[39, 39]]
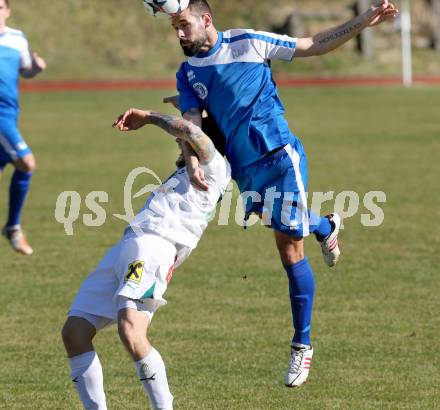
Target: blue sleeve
[[187, 96]]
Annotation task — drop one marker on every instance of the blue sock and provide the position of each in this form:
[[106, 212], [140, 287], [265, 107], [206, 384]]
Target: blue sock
[[320, 226], [18, 190], [302, 290]]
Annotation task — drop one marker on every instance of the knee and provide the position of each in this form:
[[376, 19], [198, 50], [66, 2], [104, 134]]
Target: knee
[[291, 249], [133, 336], [291, 256], [127, 334], [31, 165], [26, 164], [133, 329], [68, 333], [77, 335]]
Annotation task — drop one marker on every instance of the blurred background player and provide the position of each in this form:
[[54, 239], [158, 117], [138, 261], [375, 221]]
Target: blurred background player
[[228, 74], [15, 59], [128, 284]]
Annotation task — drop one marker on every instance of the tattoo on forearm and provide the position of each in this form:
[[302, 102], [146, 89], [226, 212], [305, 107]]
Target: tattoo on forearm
[[185, 130], [340, 33], [203, 146], [172, 125]]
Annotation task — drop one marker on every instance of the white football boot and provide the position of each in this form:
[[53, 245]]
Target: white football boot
[[330, 245], [18, 240], [299, 365]]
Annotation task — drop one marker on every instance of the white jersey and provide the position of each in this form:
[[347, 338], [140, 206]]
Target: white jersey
[[179, 212]]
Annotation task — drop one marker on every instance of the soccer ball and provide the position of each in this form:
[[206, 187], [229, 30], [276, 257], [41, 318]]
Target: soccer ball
[[165, 7]]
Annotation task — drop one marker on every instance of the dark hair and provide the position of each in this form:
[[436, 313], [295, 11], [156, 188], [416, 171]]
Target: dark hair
[[212, 130], [200, 6], [7, 3]]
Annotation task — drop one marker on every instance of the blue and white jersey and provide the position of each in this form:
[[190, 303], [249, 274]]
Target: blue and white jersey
[[14, 55], [233, 82]]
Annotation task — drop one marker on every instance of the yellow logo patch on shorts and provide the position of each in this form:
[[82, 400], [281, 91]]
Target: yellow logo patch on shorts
[[135, 271]]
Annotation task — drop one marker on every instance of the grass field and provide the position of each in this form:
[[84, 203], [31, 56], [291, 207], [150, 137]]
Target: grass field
[[101, 40], [226, 330]]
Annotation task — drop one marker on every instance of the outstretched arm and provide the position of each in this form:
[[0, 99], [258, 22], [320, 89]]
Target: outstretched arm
[[178, 127], [328, 40]]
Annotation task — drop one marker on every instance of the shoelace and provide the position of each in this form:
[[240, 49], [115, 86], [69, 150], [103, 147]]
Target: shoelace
[[296, 360]]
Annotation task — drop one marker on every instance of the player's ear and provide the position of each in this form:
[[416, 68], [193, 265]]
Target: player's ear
[[207, 20]]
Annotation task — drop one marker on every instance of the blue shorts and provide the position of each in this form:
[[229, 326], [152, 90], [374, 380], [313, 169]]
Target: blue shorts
[[275, 187], [12, 144]]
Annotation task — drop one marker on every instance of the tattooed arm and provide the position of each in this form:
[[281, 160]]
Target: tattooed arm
[[195, 172], [178, 127], [194, 116], [186, 131], [328, 40]]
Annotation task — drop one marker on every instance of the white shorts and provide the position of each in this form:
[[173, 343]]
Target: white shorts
[[133, 274]]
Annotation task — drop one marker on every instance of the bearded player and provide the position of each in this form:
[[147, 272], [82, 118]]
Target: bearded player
[[228, 74]]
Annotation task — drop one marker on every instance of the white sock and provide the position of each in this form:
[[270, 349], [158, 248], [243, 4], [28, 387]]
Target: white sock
[[86, 374], [153, 376]]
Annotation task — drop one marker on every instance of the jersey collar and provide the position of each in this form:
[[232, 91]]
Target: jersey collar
[[213, 49]]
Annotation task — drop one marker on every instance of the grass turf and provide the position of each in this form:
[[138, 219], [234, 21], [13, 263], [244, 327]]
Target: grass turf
[[102, 40], [226, 330]]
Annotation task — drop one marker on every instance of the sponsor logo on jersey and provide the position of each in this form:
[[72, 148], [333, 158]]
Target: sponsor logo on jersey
[[191, 75], [238, 52], [201, 90], [135, 270]]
